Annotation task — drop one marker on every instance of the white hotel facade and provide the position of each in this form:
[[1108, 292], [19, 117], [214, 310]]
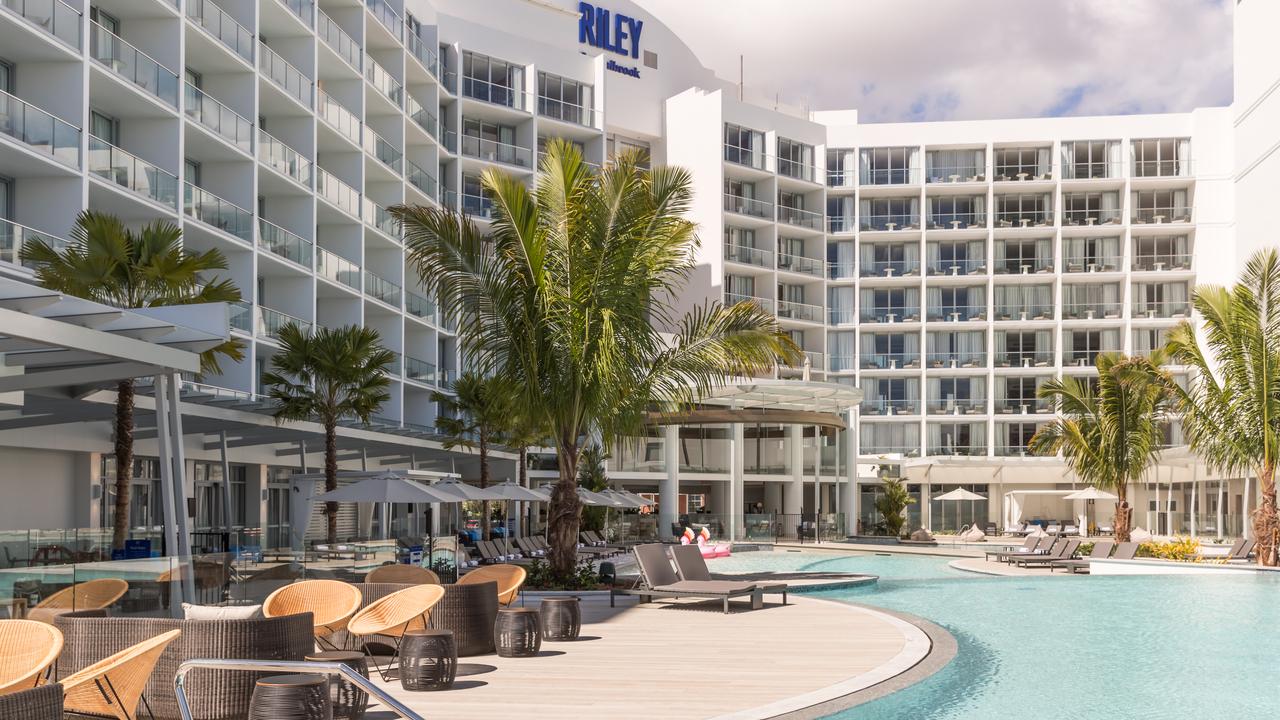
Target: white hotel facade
[[946, 269]]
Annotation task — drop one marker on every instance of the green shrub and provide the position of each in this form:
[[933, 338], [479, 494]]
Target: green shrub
[[1181, 550]]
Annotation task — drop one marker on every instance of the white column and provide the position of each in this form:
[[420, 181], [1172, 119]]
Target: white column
[[737, 450], [1222, 531], [669, 487], [850, 497], [1246, 526], [793, 493], [1195, 499]]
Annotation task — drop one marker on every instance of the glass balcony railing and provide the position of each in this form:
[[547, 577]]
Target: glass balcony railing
[[389, 18], [448, 198], [1024, 358], [566, 111], [1008, 405], [283, 158], [1161, 168], [270, 322], [745, 156], [334, 267], [957, 313], [889, 268], [278, 241], [734, 298], [890, 176], [956, 406], [801, 217], [841, 363], [1150, 309], [383, 151], [380, 218], [800, 264], [1091, 170], [130, 63], [494, 93], [283, 74], [841, 271], [797, 170], [890, 360], [222, 214], [419, 370], [748, 255], [1157, 215], [13, 236], [445, 377], [1028, 311], [448, 79], [841, 316], [53, 16], [219, 23], [954, 174], [141, 177], [421, 179], [957, 220], [840, 178], [419, 305], [380, 288], [748, 206], [799, 311], [1161, 262], [1091, 310], [340, 194], [219, 118], [1023, 265], [241, 317], [304, 9], [956, 266], [338, 117], [383, 82], [817, 361], [39, 130], [962, 449], [477, 206], [840, 224], [419, 49], [890, 314], [890, 406], [422, 117], [449, 140], [1024, 218], [335, 37], [890, 222], [494, 151], [1022, 171], [957, 359], [1095, 263], [1091, 217]]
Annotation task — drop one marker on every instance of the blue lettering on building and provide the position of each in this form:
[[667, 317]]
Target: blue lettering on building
[[614, 32]]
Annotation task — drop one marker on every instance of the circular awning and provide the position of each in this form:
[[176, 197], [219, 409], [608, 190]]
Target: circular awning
[[768, 401]]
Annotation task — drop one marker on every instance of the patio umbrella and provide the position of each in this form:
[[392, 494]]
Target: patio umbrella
[[1090, 493], [958, 495], [599, 499], [511, 491], [627, 501], [642, 500], [386, 489]]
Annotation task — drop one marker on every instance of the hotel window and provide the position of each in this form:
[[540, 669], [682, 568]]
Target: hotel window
[[890, 304], [889, 166], [881, 351], [1091, 254], [891, 396], [1100, 208], [955, 166], [965, 349], [1024, 256], [1020, 394], [840, 213], [619, 144], [956, 303], [1016, 438], [739, 287], [1161, 206], [889, 259], [209, 495], [491, 80], [564, 99], [1082, 347], [1088, 301], [739, 237], [956, 212], [1164, 157], [6, 77], [475, 199], [1086, 159], [104, 127], [1024, 210], [1024, 348], [1023, 163], [889, 437], [146, 507], [1162, 253], [743, 146], [956, 258], [795, 159], [1148, 340], [1024, 302], [489, 141], [841, 164], [1161, 300], [957, 438], [889, 213]]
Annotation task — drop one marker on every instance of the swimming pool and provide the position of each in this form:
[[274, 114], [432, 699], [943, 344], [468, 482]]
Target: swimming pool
[[1104, 647]]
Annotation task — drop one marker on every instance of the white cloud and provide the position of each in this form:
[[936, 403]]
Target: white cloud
[[966, 59]]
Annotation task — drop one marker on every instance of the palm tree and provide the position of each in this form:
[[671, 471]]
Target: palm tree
[[474, 417], [328, 376], [1109, 436], [107, 262], [569, 298], [893, 503], [1231, 407]]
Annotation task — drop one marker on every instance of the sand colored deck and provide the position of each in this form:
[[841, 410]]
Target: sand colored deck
[[687, 661]]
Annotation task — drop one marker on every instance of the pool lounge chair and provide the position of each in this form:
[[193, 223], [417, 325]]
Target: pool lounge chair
[[690, 565], [659, 579], [1042, 546], [1062, 550], [1241, 554], [1028, 545], [1101, 549]]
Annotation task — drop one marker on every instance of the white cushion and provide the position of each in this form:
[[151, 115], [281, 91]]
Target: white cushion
[[221, 612]]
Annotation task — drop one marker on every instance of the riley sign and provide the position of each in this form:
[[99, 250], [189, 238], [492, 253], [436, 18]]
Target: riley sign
[[610, 31]]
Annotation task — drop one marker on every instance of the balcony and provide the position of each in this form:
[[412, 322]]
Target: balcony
[[419, 370], [14, 236], [382, 289], [800, 264], [1022, 171], [338, 269], [1024, 312], [1008, 450], [270, 322], [141, 177], [841, 316], [748, 206], [957, 313], [39, 130], [816, 361], [126, 61], [448, 198], [1163, 309], [841, 363], [797, 170], [380, 218], [477, 206], [1090, 218], [1023, 405], [492, 93], [887, 406], [748, 255], [744, 156], [425, 55], [218, 118], [283, 159], [383, 82], [1091, 170], [566, 111], [890, 361], [335, 37], [421, 179], [840, 271], [841, 178], [1095, 263], [282, 243], [383, 151], [340, 194], [956, 266], [1168, 167], [219, 23], [957, 359], [241, 317], [840, 224], [1161, 262], [419, 306], [1091, 310], [422, 117], [1024, 218], [957, 406], [799, 311], [890, 314], [499, 152], [284, 75], [213, 211], [889, 268], [800, 217], [890, 223], [935, 174], [957, 220], [734, 298], [890, 176], [389, 18], [1024, 358], [52, 16], [962, 449], [449, 141], [1159, 215], [338, 117]]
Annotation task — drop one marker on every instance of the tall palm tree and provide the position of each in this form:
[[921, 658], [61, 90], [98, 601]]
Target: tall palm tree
[[474, 417], [571, 299], [328, 375], [1231, 407], [1109, 436], [108, 262]]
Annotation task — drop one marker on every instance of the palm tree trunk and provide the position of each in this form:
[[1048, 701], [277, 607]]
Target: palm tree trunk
[[1266, 526], [523, 479], [485, 525], [331, 479], [124, 462], [565, 512], [1123, 519]]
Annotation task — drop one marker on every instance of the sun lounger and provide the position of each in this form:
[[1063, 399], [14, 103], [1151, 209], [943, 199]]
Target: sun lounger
[[1028, 545], [690, 565], [1241, 554], [1101, 549], [659, 579], [1062, 550], [1041, 547], [527, 546]]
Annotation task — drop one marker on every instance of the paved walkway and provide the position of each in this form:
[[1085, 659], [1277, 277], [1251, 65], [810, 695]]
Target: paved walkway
[[684, 660]]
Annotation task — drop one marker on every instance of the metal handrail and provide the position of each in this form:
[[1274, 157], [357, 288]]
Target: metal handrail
[[289, 666]]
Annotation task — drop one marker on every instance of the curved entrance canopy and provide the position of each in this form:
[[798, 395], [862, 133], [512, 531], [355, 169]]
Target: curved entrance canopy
[[769, 401]]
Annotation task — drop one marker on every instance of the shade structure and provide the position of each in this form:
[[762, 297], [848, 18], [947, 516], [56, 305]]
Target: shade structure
[[626, 502], [597, 499], [462, 491], [641, 500], [1090, 493], [509, 490], [386, 489], [959, 494], [543, 493]]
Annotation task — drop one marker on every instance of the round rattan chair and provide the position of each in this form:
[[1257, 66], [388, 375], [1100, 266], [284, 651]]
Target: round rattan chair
[[330, 602], [27, 649], [113, 686], [402, 574], [89, 595], [392, 615], [510, 579]]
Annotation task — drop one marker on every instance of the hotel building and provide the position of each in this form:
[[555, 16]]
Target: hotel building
[[945, 269]]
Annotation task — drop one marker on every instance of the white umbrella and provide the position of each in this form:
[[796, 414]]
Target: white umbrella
[[1090, 493], [511, 491], [626, 500], [640, 499], [594, 498], [958, 495], [385, 489], [462, 491]]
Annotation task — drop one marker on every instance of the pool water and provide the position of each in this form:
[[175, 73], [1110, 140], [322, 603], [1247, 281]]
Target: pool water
[[1104, 647]]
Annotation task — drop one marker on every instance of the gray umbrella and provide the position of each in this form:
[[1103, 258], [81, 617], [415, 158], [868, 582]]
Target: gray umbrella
[[594, 498], [512, 491], [386, 489], [626, 500]]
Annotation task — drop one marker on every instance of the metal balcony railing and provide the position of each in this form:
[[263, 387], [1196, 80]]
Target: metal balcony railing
[[748, 255], [39, 130], [800, 264], [335, 37], [222, 120], [495, 151], [117, 55], [281, 242], [800, 217], [284, 75], [332, 266], [748, 206], [219, 23], [283, 158], [216, 212], [799, 311], [141, 177]]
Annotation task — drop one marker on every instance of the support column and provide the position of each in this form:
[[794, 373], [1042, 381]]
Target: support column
[[1195, 499], [737, 457], [773, 497], [793, 493], [1246, 526], [669, 487], [173, 482], [1222, 531], [226, 485], [850, 497]]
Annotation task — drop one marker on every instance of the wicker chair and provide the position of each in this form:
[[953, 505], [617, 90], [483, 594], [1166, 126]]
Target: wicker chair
[[470, 612], [88, 595], [330, 602], [113, 686], [510, 579], [27, 649], [41, 703], [392, 615], [212, 694], [403, 574]]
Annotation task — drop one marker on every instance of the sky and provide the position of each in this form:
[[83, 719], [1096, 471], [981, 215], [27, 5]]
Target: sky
[[905, 60]]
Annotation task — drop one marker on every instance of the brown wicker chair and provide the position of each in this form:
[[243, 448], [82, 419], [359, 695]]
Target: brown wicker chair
[[88, 595], [330, 602], [469, 611], [394, 614], [402, 574], [510, 579], [27, 649], [42, 703], [212, 694], [113, 686]]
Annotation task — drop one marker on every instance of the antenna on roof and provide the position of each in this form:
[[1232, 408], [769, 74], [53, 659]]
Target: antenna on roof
[[740, 77]]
